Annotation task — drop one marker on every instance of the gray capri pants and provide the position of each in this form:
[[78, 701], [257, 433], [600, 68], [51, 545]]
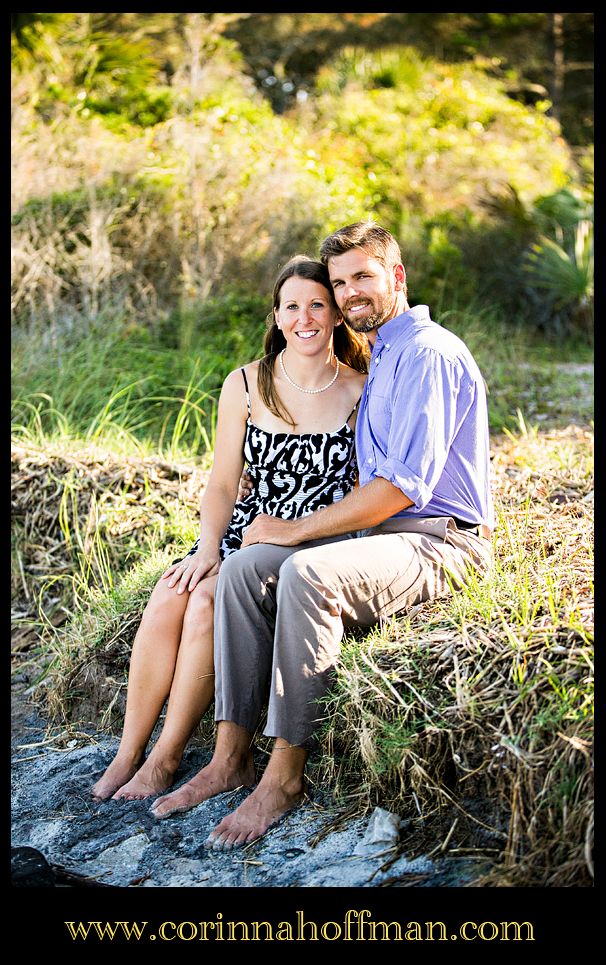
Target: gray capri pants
[[281, 611]]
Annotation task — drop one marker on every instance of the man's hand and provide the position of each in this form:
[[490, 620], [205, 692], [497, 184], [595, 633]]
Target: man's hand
[[362, 508], [269, 529], [245, 486]]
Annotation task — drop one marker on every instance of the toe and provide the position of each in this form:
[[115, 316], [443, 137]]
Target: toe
[[165, 806], [240, 840], [232, 839], [214, 842]]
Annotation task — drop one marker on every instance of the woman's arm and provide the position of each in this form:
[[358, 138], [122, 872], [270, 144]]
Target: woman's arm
[[218, 500]]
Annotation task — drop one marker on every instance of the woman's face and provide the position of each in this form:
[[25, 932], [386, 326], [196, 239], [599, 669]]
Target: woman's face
[[306, 315]]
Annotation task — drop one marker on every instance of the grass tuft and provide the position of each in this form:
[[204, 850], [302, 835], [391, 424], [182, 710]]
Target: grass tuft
[[471, 715]]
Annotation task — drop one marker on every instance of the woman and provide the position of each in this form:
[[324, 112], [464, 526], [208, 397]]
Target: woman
[[290, 416]]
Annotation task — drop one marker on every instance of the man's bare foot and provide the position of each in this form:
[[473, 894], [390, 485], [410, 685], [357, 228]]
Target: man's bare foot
[[153, 777], [215, 778], [262, 809], [119, 771]]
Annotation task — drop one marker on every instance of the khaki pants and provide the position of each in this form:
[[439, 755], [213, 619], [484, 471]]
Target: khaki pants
[[280, 612]]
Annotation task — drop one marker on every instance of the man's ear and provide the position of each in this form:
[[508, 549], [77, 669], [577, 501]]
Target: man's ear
[[339, 319], [399, 277]]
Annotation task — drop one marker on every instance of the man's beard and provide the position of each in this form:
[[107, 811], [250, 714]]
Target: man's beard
[[367, 324], [376, 318]]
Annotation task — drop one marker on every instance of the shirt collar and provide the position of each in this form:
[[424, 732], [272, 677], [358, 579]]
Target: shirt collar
[[397, 327]]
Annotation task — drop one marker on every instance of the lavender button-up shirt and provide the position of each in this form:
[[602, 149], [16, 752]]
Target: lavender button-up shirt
[[423, 421]]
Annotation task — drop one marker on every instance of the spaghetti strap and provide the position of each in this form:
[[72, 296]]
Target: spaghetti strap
[[353, 410], [247, 392]]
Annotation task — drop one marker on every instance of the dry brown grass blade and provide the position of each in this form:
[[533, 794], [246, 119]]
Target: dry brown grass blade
[[475, 715], [119, 497]]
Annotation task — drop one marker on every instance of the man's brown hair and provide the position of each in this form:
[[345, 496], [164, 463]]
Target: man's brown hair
[[368, 235]]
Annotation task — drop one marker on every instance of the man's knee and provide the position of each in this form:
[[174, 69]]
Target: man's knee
[[251, 564], [302, 573]]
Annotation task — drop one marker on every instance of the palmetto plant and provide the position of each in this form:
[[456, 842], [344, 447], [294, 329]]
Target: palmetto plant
[[565, 273]]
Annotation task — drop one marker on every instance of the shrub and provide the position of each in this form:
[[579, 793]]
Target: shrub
[[438, 137]]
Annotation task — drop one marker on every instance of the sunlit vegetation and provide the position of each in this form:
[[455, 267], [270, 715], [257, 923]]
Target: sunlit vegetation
[[164, 166]]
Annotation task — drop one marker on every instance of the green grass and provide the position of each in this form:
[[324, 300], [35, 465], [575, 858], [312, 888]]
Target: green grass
[[493, 684], [484, 698], [548, 381], [146, 389], [156, 389]]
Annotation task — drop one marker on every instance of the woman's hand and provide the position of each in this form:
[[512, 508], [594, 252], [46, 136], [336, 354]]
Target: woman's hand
[[187, 574]]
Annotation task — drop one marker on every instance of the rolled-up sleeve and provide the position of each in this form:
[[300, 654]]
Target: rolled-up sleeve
[[424, 420]]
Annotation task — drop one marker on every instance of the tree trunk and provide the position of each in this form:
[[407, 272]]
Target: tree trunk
[[557, 37]]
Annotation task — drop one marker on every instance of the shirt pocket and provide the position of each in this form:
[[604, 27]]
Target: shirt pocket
[[379, 411]]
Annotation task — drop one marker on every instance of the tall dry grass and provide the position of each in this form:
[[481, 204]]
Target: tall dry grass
[[134, 222], [472, 715]]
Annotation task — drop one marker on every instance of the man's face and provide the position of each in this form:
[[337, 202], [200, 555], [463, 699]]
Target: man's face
[[365, 291]]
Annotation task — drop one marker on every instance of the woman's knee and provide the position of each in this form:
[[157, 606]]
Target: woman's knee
[[200, 606], [165, 601]]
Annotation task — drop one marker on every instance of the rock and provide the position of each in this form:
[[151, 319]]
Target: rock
[[74, 841], [30, 869], [383, 832]]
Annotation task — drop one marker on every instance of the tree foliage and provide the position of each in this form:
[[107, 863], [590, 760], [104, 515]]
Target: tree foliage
[[151, 172], [285, 52]]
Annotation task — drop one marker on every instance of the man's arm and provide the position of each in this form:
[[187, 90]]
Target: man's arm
[[363, 507]]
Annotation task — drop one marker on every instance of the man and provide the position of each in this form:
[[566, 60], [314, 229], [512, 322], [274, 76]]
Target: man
[[422, 513]]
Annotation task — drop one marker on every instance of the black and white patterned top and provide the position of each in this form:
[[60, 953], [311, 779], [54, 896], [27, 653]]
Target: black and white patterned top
[[292, 474]]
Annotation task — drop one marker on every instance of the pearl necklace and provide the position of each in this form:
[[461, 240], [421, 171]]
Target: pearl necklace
[[300, 387]]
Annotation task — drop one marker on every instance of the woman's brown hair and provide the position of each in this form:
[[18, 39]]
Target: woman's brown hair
[[350, 347]]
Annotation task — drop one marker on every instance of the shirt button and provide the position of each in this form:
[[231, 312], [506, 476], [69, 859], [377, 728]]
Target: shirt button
[[377, 360], [369, 459], [386, 344]]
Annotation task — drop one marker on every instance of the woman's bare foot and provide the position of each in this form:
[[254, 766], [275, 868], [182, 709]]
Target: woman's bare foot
[[262, 809], [120, 770], [153, 777], [215, 778]]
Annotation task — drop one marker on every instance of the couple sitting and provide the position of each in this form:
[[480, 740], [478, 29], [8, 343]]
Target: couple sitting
[[331, 533]]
